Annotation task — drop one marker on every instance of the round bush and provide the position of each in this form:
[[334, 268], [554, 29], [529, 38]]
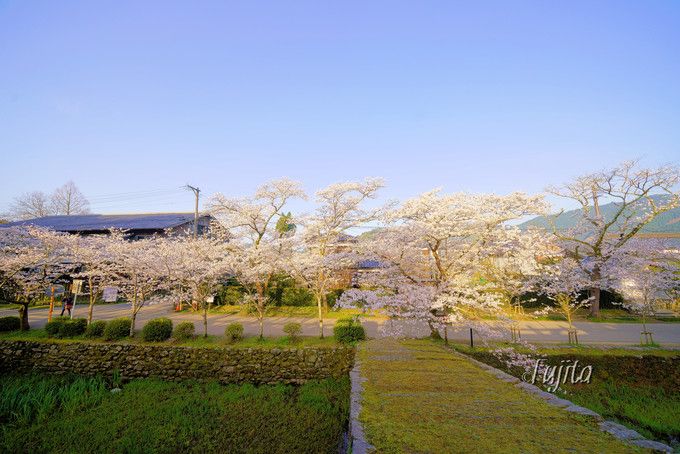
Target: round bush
[[53, 328], [233, 332], [65, 327], [95, 329], [73, 327], [349, 332], [184, 330], [118, 328], [293, 330], [10, 323], [157, 330]]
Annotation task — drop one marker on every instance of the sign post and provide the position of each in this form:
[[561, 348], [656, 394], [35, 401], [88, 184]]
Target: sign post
[[75, 289]]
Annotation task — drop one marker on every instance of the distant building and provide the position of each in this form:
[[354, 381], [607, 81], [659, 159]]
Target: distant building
[[137, 225]]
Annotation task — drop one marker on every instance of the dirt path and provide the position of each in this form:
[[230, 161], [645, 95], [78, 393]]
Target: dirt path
[[419, 397]]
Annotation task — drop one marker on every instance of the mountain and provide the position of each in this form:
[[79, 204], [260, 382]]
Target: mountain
[[667, 223]]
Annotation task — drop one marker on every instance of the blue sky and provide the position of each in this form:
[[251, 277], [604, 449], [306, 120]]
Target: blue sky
[[125, 97]]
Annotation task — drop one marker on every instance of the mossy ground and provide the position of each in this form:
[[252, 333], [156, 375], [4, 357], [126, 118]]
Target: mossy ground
[[420, 397], [41, 414]]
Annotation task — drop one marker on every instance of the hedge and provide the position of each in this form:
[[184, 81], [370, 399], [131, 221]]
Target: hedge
[[157, 330], [11, 323]]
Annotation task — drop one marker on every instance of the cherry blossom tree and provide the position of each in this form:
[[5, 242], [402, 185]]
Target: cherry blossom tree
[[319, 258], [135, 271], [259, 250], [433, 249], [645, 272], [196, 264], [95, 264], [31, 259], [563, 280], [639, 194]]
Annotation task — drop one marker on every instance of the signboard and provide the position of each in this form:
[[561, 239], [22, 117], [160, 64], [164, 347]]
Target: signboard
[[77, 286], [54, 290], [210, 299], [110, 294]]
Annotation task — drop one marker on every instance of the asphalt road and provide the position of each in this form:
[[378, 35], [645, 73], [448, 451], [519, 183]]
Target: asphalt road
[[532, 331]]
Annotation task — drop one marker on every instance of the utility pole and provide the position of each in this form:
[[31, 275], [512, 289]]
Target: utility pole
[[196, 192]]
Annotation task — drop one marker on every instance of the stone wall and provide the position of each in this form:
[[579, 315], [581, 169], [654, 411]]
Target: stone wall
[[168, 362]]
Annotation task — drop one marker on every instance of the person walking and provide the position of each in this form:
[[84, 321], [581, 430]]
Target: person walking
[[66, 305]]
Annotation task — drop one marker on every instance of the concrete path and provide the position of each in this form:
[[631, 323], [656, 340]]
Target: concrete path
[[667, 334], [420, 397]]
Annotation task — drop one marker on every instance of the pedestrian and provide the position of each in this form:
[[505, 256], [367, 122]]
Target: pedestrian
[[66, 305]]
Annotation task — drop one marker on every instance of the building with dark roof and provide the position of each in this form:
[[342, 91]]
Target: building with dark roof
[[136, 225]]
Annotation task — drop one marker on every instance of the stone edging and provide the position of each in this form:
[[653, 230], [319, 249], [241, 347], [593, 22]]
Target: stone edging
[[619, 431], [359, 445]]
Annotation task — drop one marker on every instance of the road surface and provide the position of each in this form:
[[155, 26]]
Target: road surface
[[532, 331]]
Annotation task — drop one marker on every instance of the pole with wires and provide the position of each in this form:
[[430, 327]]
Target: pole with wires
[[196, 193]]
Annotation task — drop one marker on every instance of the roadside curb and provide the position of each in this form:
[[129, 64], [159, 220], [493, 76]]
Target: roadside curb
[[619, 431], [358, 443]]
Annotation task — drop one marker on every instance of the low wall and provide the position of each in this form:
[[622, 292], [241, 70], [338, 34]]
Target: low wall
[[168, 362]]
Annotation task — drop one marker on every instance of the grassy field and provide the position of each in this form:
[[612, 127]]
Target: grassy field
[[198, 341], [43, 415], [638, 388], [420, 397], [606, 316]]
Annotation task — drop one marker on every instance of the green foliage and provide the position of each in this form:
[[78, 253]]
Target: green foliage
[[157, 330], [118, 328], [639, 390], [33, 399], [184, 331], [237, 418], [233, 332], [348, 331], [54, 326], [95, 329], [10, 323], [61, 327], [293, 330], [74, 327], [416, 389]]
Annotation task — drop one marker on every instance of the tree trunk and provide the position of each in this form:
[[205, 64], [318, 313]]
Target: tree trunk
[[261, 317], [595, 301], [92, 300], [319, 304], [595, 293], [434, 333], [23, 317], [205, 320]]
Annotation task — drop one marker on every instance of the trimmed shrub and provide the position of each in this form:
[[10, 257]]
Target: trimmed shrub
[[53, 328], [184, 331], [157, 330], [349, 332], [95, 329], [10, 323], [65, 327], [233, 332], [117, 328], [293, 330], [74, 327]]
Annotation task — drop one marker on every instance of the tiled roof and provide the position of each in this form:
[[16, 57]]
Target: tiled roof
[[95, 222]]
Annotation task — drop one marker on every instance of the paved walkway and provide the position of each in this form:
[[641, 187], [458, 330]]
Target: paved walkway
[[536, 331], [419, 397]]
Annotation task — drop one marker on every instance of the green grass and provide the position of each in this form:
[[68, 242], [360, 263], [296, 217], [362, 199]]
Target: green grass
[[199, 341], [638, 388], [606, 316], [420, 397], [41, 414]]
